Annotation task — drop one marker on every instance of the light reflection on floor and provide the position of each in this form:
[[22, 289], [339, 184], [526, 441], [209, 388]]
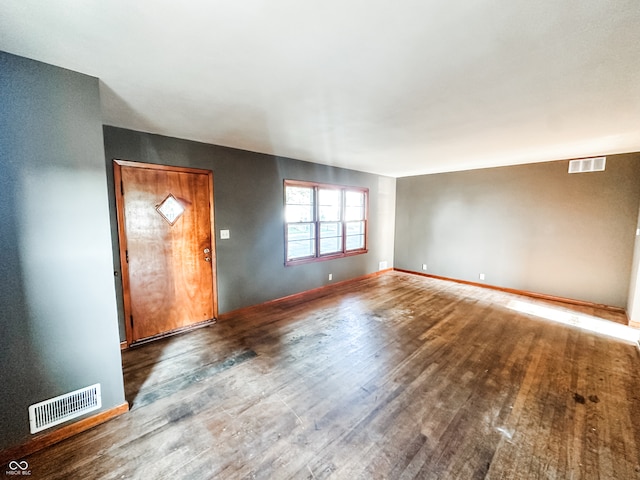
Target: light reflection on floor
[[580, 320]]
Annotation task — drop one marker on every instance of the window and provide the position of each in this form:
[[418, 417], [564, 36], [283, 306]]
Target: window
[[324, 221]]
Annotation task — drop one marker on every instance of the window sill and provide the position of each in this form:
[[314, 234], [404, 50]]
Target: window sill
[[301, 261]]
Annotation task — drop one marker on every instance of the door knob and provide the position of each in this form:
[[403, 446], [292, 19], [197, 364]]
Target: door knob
[[207, 250]]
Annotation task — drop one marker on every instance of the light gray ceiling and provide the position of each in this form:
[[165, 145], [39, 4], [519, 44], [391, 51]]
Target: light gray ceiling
[[396, 88]]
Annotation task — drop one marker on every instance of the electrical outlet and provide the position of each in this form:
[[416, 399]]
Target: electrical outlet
[[383, 265], [424, 267], [331, 276], [224, 234], [481, 276]]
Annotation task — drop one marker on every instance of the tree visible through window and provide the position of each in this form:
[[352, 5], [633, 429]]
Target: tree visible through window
[[324, 221]]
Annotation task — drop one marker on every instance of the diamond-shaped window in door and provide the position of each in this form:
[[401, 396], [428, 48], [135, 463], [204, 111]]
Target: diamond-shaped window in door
[[170, 209]]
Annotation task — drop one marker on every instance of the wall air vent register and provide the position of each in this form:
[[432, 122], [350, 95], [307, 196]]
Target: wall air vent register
[[585, 165], [54, 411]]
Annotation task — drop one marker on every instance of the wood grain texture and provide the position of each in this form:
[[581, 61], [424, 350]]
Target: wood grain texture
[[169, 269], [394, 376], [542, 296]]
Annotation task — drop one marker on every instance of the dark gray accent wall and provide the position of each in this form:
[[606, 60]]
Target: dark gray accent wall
[[58, 318], [248, 199], [529, 227]]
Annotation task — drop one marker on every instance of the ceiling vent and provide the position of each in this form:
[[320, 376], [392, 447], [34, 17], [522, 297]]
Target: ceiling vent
[[595, 164]]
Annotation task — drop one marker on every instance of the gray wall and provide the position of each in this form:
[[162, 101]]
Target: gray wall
[[248, 199], [529, 227], [58, 321]]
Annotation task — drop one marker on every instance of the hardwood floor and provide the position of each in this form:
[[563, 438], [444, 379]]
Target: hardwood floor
[[396, 376]]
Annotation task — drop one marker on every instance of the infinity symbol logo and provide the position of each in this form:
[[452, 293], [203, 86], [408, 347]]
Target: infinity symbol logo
[[13, 465]]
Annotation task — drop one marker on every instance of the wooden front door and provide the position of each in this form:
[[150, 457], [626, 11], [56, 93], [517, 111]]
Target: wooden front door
[[165, 219]]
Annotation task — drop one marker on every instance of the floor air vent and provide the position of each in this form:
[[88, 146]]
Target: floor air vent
[[56, 410], [595, 164]]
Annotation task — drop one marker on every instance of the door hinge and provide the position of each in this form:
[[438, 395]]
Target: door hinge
[[126, 256], [131, 320], [121, 188]]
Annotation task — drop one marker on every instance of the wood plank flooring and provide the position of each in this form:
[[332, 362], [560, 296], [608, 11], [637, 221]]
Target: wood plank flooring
[[391, 377]]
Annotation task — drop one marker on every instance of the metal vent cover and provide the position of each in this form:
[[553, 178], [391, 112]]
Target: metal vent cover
[[46, 414], [595, 164]]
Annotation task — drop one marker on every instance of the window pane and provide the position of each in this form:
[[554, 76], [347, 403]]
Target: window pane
[[300, 231], [299, 195], [299, 204], [355, 228], [355, 235], [301, 240], [330, 245], [354, 198], [355, 242], [330, 237], [301, 249], [354, 205], [329, 205], [329, 213], [299, 213], [354, 213], [330, 229]]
